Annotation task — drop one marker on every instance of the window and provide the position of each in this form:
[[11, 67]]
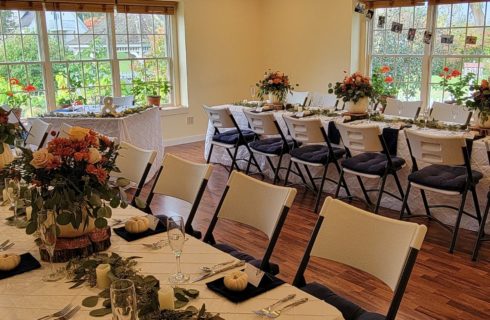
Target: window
[[81, 55], [417, 66]]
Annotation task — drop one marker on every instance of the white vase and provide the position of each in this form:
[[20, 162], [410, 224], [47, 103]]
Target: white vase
[[484, 124], [6, 156], [274, 99], [360, 107]]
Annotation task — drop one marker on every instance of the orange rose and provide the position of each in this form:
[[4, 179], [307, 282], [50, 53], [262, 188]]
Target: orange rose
[[41, 158], [94, 155]]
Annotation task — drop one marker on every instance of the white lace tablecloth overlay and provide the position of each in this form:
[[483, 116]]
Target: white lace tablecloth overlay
[[143, 129], [26, 296], [479, 163]]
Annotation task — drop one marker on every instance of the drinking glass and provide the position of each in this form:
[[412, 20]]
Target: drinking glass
[[425, 116], [253, 92], [12, 192], [176, 239], [370, 111], [123, 300], [47, 231], [18, 144]]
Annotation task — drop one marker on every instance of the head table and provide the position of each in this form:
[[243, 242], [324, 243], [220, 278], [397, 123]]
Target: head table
[[479, 162], [142, 129], [26, 296]]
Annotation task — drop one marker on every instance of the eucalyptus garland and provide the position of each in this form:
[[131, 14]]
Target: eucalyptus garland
[[121, 114], [432, 124]]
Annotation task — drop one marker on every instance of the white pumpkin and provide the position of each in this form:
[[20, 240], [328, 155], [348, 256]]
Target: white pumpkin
[[9, 261], [136, 225], [236, 281]]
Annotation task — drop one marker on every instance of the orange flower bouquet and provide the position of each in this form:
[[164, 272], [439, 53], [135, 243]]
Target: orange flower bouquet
[[456, 84], [71, 175], [275, 83], [383, 85], [19, 93]]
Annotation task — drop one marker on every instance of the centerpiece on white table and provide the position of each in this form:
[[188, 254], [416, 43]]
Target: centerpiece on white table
[[8, 133], [18, 95], [71, 175], [383, 86], [456, 84], [480, 102], [355, 90], [276, 86]]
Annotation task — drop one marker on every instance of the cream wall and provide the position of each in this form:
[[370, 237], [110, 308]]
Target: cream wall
[[230, 43]]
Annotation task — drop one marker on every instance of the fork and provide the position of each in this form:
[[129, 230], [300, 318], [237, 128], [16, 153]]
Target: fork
[[265, 311], [8, 246], [70, 314], [57, 314], [156, 245], [3, 244], [277, 313]]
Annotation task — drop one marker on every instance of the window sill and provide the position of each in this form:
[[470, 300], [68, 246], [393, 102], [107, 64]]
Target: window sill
[[173, 110]]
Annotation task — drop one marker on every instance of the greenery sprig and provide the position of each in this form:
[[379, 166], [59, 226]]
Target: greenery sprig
[[121, 114]]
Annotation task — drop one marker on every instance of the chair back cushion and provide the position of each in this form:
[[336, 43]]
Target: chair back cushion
[[305, 130], [404, 109], [132, 161], [363, 138], [37, 131], [435, 148], [366, 241], [261, 123], [450, 113], [323, 100], [296, 97], [255, 203], [181, 178], [220, 117]]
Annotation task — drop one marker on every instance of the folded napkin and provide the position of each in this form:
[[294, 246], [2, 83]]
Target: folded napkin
[[135, 236], [27, 263], [268, 282]]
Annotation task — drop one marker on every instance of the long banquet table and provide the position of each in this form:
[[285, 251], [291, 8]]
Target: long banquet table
[[26, 296], [141, 129], [479, 162]]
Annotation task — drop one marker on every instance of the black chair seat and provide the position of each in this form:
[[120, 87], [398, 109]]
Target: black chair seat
[[273, 268], [270, 145], [350, 310], [371, 163], [443, 177], [232, 136], [316, 153]]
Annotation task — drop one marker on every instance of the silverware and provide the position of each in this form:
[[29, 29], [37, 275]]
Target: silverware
[[210, 269], [265, 311], [7, 246], [58, 313], [214, 272], [3, 244], [156, 245], [70, 314], [277, 313]]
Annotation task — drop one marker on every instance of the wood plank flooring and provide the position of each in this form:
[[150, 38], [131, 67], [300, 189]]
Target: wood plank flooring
[[442, 286]]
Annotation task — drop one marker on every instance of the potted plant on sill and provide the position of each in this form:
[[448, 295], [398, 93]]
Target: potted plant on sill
[[479, 102], [151, 90], [355, 90], [383, 86], [457, 85], [276, 86]]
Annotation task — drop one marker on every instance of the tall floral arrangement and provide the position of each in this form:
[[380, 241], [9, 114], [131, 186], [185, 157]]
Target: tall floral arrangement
[[457, 85], [8, 131], [480, 99], [383, 85], [72, 179], [353, 88], [276, 83], [19, 93]]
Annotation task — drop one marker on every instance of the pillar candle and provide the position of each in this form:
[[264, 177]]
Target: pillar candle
[[166, 298], [28, 213], [102, 272]]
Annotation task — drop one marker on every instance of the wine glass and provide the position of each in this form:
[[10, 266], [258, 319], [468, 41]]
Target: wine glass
[[253, 92], [123, 300], [370, 111], [176, 239], [47, 231], [425, 117], [12, 192]]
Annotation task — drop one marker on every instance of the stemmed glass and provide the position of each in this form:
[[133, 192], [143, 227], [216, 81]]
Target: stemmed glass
[[47, 231], [13, 188], [123, 300], [176, 239], [370, 111], [425, 117], [253, 92]]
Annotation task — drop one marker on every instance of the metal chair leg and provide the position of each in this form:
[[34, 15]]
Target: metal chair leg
[[287, 173], [405, 200], [380, 193], [210, 152], [476, 203], [426, 203], [300, 173], [234, 162], [366, 196], [276, 172], [341, 177], [400, 190], [458, 221], [320, 190], [308, 172], [249, 162], [481, 232]]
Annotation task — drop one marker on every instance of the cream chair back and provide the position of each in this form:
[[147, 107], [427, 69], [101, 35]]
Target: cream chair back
[[133, 162], [366, 241], [219, 117], [297, 97], [180, 178], [255, 203], [404, 109], [450, 113], [323, 100], [64, 130], [306, 131], [436, 149], [360, 138], [262, 123], [123, 101], [38, 133]]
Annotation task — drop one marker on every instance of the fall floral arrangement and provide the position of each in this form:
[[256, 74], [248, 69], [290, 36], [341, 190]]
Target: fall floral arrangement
[[276, 83], [353, 88], [383, 85], [71, 175], [480, 99], [457, 85], [8, 131]]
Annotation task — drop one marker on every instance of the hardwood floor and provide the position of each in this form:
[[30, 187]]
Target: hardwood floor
[[442, 285]]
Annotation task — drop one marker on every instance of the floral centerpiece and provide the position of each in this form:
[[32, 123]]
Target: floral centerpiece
[[71, 175], [383, 85], [8, 133], [455, 84], [276, 85], [355, 90], [18, 95], [480, 102]]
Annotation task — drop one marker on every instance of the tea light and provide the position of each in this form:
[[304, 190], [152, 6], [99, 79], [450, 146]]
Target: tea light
[[166, 298], [102, 273]]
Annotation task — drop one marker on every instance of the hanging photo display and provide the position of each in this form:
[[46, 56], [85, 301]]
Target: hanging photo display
[[411, 34], [370, 14], [470, 40], [396, 27], [381, 22], [427, 37], [360, 8], [447, 39]]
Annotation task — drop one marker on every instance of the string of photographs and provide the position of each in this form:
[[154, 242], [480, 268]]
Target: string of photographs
[[398, 28]]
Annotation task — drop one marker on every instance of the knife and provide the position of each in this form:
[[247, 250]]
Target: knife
[[212, 273]]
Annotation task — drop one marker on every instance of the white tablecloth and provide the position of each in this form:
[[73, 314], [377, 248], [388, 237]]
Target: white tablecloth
[[26, 296], [479, 162], [143, 129]]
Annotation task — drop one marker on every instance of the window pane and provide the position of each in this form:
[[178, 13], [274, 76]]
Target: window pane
[[476, 14], [459, 15], [443, 16]]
